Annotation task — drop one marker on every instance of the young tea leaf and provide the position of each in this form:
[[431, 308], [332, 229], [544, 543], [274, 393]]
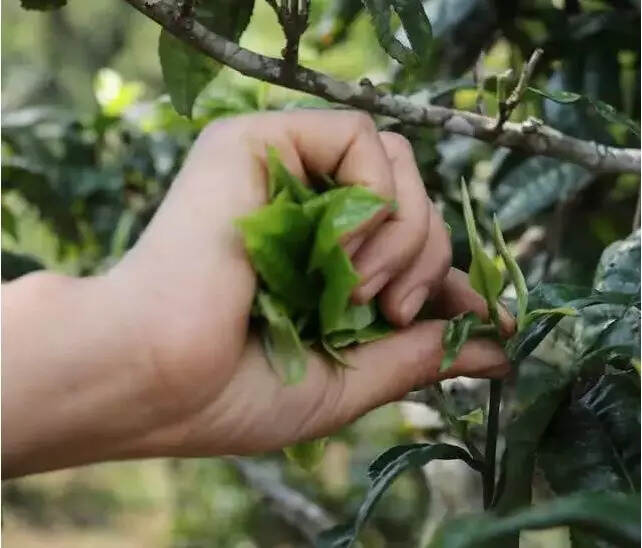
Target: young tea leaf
[[514, 271], [476, 416], [282, 344], [485, 277], [307, 454], [456, 333], [280, 178]]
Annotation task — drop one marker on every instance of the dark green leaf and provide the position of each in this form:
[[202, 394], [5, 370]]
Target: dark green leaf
[[562, 97], [456, 333], [282, 344], [594, 442], [186, 71], [382, 472], [42, 4], [416, 24], [534, 185], [380, 12], [9, 222], [373, 332], [15, 265], [609, 515], [609, 113]]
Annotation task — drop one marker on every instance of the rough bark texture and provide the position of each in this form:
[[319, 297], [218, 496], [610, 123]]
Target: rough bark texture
[[527, 137]]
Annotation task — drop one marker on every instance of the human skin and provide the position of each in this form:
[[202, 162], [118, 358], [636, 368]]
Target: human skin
[[156, 358]]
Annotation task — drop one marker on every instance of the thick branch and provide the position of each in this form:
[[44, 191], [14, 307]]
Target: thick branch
[[301, 513], [531, 139]]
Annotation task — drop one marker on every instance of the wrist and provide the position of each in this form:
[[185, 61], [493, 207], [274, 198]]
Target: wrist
[[73, 374]]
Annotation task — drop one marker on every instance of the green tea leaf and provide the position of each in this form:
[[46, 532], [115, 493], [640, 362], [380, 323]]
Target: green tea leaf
[[379, 11], [382, 472], [562, 97], [514, 271], [476, 416], [416, 24], [485, 277], [456, 333], [186, 71], [307, 454], [333, 352], [279, 178], [561, 311], [276, 238], [593, 443], [347, 209], [9, 222], [282, 344]]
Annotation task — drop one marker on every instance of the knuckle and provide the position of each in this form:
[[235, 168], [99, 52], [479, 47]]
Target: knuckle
[[397, 144], [363, 122]]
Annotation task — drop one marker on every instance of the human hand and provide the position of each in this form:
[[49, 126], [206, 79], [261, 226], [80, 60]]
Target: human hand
[[155, 358], [190, 280]]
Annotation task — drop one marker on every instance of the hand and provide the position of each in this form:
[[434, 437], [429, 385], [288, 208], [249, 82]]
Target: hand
[[200, 384]]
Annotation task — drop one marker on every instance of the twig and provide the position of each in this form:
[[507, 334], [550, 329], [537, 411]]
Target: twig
[[300, 512], [543, 140], [478, 78], [506, 108], [293, 18], [492, 431]]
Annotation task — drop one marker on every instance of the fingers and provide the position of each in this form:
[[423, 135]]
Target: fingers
[[457, 296], [402, 299], [386, 370], [401, 238]]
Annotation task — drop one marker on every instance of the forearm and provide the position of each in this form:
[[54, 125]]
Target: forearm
[[73, 374]]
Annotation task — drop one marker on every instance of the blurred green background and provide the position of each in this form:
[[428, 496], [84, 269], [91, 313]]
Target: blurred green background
[[91, 143]]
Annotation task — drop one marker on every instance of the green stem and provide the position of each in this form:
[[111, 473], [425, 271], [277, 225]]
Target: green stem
[[492, 431]]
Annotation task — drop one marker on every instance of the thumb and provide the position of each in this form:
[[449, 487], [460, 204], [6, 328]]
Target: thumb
[[386, 370]]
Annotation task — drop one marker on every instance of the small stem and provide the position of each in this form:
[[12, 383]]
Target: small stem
[[518, 91], [456, 425], [492, 430]]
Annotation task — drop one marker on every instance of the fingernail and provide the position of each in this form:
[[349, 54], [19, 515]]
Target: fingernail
[[353, 245], [371, 287], [413, 302]]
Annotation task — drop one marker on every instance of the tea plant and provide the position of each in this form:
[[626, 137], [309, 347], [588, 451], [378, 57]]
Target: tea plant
[[525, 129]]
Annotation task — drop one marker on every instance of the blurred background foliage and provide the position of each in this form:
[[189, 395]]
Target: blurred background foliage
[[90, 143]]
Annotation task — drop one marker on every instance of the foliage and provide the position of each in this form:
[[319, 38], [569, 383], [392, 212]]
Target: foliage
[[79, 189]]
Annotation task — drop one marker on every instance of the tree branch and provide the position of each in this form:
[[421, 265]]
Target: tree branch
[[301, 513], [531, 139]]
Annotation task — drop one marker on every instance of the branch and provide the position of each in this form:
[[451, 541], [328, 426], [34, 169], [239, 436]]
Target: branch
[[294, 508], [538, 139], [506, 108]]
